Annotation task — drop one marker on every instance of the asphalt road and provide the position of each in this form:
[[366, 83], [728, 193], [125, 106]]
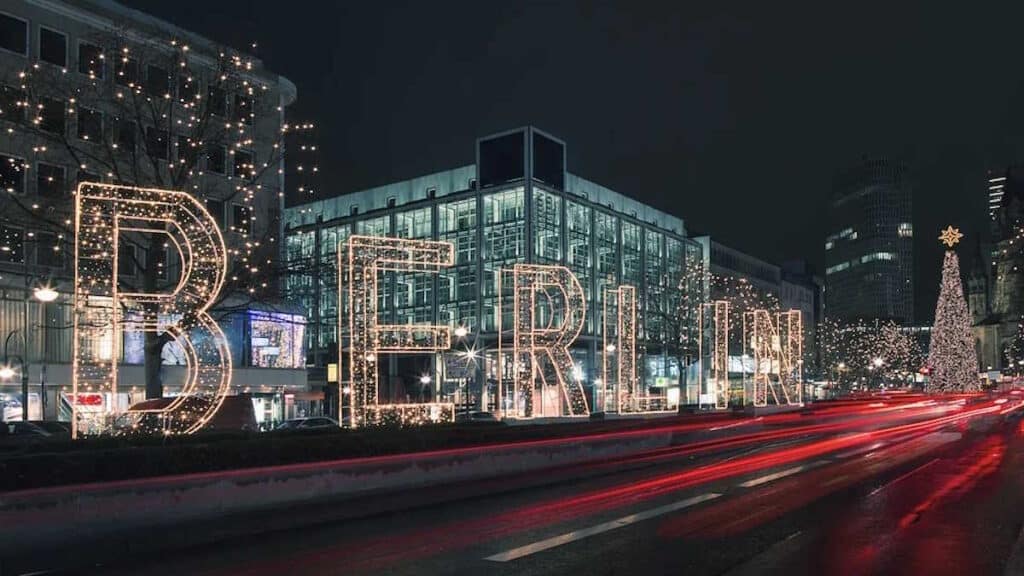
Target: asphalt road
[[872, 488]]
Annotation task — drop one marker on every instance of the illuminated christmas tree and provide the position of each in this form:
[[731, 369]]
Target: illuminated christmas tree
[[952, 359]]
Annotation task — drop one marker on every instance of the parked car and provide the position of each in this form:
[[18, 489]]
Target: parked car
[[476, 417], [236, 413], [36, 429], [311, 423]]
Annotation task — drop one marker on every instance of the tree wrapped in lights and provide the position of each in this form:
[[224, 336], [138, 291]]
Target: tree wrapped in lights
[[860, 351], [952, 359], [156, 114]]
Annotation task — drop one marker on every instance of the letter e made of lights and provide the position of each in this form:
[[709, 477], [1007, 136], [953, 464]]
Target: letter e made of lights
[[362, 259], [105, 216]]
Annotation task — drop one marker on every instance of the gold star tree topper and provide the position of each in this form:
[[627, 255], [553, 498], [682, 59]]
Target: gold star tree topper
[[950, 236]]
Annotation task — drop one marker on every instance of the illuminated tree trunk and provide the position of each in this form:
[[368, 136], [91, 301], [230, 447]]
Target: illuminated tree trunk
[[952, 359]]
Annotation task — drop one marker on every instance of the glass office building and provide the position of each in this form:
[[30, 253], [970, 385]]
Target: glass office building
[[517, 204]]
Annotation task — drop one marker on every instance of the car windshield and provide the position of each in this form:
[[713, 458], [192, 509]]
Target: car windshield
[[287, 424]]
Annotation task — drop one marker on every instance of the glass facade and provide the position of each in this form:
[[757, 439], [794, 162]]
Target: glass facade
[[492, 230]]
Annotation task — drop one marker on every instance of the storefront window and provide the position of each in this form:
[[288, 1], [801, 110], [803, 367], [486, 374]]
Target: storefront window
[[277, 340]]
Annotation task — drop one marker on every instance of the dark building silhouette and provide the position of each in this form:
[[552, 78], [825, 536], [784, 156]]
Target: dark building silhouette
[[869, 247]]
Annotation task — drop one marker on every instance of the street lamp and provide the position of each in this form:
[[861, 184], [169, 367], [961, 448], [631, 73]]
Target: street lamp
[[45, 294], [6, 372], [461, 332]]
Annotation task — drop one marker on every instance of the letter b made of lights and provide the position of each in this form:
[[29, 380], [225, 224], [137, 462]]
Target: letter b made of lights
[[105, 216]]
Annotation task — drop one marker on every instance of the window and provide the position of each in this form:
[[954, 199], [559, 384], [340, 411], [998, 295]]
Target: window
[[126, 71], [188, 154], [90, 60], [12, 104], [53, 47], [244, 108], [244, 164], [12, 174], [156, 143], [216, 159], [240, 219], [188, 88], [51, 116], [14, 34], [217, 101], [90, 125], [84, 176], [905, 230], [216, 209], [12, 244], [125, 137], [126, 259], [49, 251], [50, 180], [158, 81]]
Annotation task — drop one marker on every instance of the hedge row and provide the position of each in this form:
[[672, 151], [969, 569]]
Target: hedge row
[[107, 459]]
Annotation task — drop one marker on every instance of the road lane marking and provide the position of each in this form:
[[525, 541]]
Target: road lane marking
[[743, 423], [861, 450], [546, 544], [904, 476], [781, 474]]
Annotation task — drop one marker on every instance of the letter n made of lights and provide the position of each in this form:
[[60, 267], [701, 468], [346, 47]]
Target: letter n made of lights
[[713, 344], [362, 258], [777, 350], [104, 215], [549, 310], [619, 357]]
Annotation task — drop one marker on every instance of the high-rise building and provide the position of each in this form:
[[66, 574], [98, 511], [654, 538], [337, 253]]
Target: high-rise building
[[869, 247]]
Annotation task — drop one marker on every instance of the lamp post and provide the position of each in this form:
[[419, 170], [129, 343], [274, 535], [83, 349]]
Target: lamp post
[[43, 294]]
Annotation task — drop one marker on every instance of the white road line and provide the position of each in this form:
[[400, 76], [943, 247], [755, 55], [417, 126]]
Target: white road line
[[861, 450], [904, 476], [770, 477], [541, 545], [781, 474], [743, 423]]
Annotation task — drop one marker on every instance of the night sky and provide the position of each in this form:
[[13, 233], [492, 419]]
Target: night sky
[[733, 118]]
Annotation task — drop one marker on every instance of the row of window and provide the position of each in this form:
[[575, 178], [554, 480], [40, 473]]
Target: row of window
[[51, 179], [51, 247], [903, 230], [52, 48], [873, 257]]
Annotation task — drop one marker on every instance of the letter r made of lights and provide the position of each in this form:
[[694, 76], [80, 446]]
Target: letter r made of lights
[[619, 357], [549, 310], [362, 258], [777, 350], [106, 215]]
